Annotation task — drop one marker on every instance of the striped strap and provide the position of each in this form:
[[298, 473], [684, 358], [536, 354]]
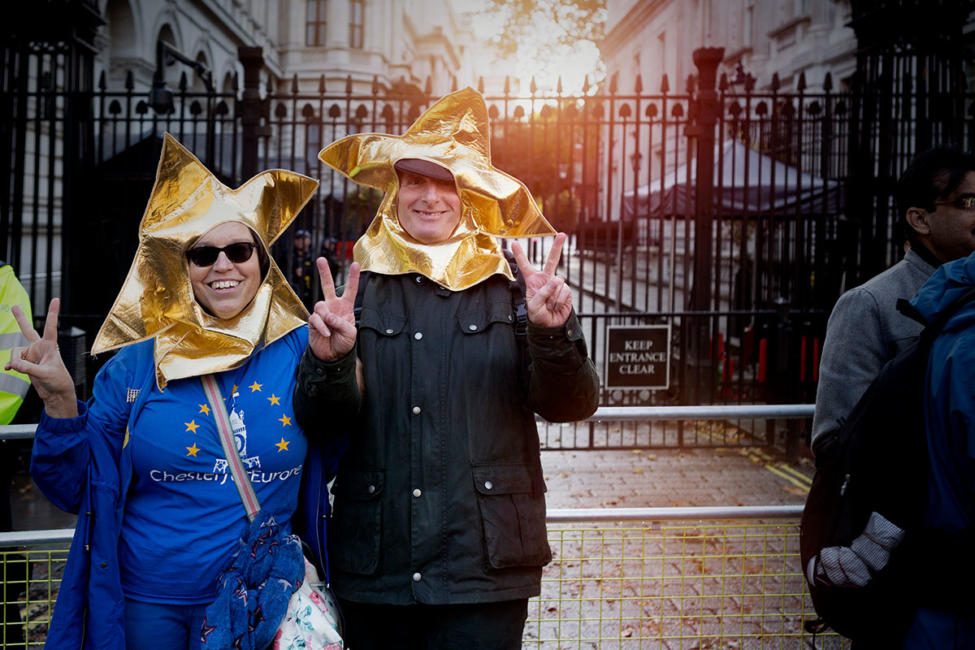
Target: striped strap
[[244, 487]]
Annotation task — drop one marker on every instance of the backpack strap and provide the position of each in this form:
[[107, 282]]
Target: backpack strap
[[519, 302], [934, 328], [905, 307], [519, 297], [364, 277]]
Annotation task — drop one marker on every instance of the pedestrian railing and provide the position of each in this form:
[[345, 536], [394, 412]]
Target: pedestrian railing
[[669, 427], [619, 578], [641, 427]]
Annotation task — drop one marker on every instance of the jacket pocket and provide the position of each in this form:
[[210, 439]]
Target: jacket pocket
[[476, 321], [512, 516], [384, 323], [356, 527]]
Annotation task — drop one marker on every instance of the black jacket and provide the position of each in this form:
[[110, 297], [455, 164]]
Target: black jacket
[[440, 498]]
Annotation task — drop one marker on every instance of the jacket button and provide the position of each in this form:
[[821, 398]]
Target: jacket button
[[419, 280], [389, 330], [418, 336], [417, 493], [488, 485], [417, 577], [103, 564], [371, 489], [416, 410], [472, 327]]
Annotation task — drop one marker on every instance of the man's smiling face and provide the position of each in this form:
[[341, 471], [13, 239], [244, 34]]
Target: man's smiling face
[[427, 208]]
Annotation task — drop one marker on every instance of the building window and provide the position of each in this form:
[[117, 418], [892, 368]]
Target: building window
[[315, 23], [355, 23]]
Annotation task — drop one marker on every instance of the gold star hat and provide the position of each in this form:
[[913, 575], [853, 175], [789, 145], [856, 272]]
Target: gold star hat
[[157, 300], [454, 134]]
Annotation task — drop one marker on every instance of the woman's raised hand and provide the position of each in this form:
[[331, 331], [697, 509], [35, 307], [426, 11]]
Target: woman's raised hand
[[548, 299], [41, 361], [331, 326]]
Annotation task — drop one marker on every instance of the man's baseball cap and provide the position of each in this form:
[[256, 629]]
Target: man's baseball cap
[[303, 233], [424, 168]]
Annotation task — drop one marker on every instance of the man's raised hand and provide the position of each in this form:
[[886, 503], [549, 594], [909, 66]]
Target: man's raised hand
[[41, 360], [548, 299], [331, 325]]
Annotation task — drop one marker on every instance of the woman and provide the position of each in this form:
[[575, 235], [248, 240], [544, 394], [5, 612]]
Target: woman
[[141, 462]]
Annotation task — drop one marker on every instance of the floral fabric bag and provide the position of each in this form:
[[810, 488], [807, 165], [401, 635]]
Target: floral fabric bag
[[265, 570]]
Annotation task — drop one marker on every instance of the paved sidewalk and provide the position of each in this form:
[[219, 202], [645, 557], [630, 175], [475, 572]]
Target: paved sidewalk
[[655, 478]]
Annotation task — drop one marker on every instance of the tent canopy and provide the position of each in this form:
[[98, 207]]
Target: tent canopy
[[745, 182]]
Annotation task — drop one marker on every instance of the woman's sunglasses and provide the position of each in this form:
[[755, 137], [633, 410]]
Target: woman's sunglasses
[[238, 253]]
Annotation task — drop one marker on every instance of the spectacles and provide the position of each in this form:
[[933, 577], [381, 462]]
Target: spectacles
[[238, 253], [966, 202]]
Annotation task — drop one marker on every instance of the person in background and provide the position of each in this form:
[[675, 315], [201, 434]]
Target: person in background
[[141, 462], [936, 197], [304, 269], [438, 538], [13, 388]]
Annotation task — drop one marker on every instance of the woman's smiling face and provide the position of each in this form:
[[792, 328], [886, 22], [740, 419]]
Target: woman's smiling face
[[225, 287]]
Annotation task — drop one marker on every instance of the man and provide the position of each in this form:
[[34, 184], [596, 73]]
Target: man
[[865, 330], [438, 535], [303, 268]]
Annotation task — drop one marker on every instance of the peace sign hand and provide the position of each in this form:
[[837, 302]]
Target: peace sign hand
[[331, 326], [548, 300], [41, 361]]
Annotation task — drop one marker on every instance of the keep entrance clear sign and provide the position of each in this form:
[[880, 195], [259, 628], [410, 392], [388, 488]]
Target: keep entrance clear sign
[[637, 356]]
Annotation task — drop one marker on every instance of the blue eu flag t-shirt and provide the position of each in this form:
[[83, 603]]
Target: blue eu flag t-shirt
[[183, 514]]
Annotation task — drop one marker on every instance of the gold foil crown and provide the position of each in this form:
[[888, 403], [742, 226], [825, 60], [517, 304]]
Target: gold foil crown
[[455, 134], [157, 299]]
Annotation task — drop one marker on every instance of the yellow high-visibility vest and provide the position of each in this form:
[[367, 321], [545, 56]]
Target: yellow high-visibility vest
[[13, 385]]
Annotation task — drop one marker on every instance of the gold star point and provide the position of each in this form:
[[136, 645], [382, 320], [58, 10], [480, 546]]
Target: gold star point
[[187, 200], [275, 400], [192, 426], [204, 409], [192, 451], [285, 421], [283, 445], [255, 387]]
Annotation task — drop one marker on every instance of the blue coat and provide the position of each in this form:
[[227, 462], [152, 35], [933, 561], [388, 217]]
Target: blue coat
[[82, 474], [950, 429], [83, 465]]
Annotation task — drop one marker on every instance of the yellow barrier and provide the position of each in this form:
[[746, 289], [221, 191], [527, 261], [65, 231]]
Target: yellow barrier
[[674, 585], [30, 585], [663, 583]]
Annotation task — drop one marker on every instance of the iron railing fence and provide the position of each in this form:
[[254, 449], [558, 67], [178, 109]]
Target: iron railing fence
[[779, 427], [753, 356], [622, 578]]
